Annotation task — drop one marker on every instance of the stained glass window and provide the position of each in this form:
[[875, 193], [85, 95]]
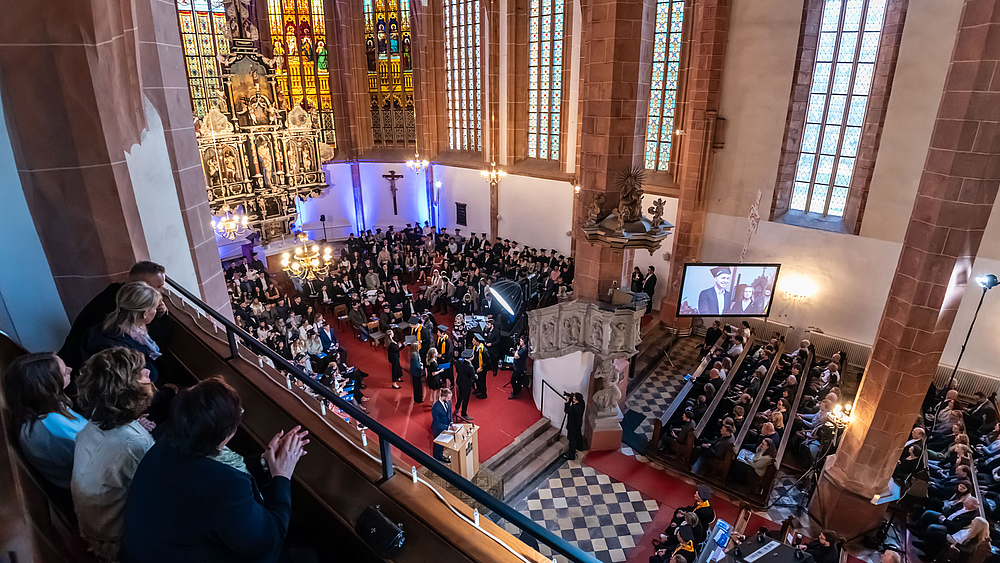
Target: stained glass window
[[545, 68], [842, 78], [463, 86], [390, 72], [663, 88], [298, 40], [203, 37]]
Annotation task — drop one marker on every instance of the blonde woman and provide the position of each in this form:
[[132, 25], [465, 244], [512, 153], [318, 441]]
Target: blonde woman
[[136, 306], [114, 390]]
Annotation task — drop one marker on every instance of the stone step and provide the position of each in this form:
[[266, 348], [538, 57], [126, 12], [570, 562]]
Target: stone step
[[529, 435], [533, 466], [515, 462]]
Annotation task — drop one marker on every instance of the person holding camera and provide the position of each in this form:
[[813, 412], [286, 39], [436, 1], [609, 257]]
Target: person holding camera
[[574, 409], [520, 367]]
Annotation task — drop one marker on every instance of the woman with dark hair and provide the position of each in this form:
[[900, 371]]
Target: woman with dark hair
[[113, 391], [416, 373], [137, 306], [186, 506], [637, 279], [397, 370], [39, 413]]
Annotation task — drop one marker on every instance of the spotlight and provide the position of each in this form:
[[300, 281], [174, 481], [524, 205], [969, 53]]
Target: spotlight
[[508, 293], [989, 281]]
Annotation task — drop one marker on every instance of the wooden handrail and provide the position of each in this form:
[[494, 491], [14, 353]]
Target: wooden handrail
[[722, 390], [682, 394]]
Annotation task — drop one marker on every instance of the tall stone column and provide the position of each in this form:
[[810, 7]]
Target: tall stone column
[[710, 26], [614, 94], [954, 200]]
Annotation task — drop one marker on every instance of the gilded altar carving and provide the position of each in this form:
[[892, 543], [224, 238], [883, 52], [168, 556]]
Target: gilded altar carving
[[254, 154]]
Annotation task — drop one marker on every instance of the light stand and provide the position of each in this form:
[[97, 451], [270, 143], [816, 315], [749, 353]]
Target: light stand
[[322, 219], [987, 282]]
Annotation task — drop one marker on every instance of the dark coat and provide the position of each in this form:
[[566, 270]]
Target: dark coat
[[97, 340], [185, 508], [440, 417], [465, 374], [91, 315]]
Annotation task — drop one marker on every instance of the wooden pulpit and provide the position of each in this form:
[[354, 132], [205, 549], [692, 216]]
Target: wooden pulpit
[[461, 443]]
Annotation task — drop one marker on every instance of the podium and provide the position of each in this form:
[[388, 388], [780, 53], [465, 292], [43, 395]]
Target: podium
[[461, 443]]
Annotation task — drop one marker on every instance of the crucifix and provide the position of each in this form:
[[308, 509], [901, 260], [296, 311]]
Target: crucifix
[[392, 177]]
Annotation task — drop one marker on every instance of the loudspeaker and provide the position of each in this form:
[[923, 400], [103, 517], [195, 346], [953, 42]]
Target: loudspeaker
[[322, 218], [384, 536]]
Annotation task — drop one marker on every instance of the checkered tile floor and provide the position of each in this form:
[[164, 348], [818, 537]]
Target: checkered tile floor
[[653, 397], [593, 511]]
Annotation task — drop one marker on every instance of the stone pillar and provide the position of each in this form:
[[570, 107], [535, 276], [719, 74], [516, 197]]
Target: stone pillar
[[954, 199], [617, 50], [710, 23], [74, 96]]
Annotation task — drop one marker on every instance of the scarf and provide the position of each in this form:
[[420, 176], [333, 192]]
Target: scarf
[[702, 504], [686, 546], [479, 353], [444, 343], [140, 335]]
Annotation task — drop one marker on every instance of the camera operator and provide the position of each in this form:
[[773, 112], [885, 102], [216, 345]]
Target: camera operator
[[574, 409]]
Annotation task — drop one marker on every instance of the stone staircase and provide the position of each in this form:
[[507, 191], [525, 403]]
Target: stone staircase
[[527, 456]]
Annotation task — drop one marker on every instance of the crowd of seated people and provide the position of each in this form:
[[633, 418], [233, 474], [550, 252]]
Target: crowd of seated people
[[119, 450], [953, 445]]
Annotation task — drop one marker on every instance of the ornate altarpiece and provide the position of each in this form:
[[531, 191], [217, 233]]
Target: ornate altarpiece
[[256, 155]]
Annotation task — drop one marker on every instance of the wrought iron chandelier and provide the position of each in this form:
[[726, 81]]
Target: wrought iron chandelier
[[230, 225], [306, 263]]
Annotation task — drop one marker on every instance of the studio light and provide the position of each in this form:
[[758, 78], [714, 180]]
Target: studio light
[[987, 282], [508, 293]]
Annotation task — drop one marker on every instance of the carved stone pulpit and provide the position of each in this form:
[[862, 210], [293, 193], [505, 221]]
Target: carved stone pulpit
[[612, 334]]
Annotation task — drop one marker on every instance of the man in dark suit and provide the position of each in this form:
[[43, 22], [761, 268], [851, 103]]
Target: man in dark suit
[[103, 303], [714, 452], [679, 434], [716, 299], [465, 380], [441, 421], [492, 340], [712, 335], [934, 527], [649, 287]]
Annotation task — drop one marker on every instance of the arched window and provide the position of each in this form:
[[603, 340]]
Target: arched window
[[545, 69], [203, 37], [298, 37], [390, 72], [663, 87], [463, 85], [842, 81]]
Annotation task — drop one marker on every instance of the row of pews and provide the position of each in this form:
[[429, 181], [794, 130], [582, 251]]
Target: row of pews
[[729, 474]]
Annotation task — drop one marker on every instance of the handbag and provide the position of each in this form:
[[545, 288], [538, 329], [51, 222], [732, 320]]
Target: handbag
[[384, 536]]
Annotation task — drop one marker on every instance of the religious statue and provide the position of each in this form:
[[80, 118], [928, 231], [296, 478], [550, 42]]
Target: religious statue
[[607, 396], [212, 170], [630, 205], [370, 53], [657, 213], [266, 163], [596, 209]]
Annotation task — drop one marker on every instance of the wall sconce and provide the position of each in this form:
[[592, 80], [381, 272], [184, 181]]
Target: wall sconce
[[798, 288], [576, 189]]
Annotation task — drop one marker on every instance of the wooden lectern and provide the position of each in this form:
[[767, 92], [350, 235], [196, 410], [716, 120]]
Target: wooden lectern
[[461, 443]]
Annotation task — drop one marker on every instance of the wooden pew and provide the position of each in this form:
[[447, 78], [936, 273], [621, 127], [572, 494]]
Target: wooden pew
[[683, 453], [719, 393]]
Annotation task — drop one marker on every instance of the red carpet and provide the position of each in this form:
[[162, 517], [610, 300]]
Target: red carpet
[[670, 492], [500, 419]]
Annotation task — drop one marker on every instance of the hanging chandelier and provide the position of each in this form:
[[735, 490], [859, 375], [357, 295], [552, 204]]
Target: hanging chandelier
[[305, 263], [230, 225], [417, 164], [494, 174]]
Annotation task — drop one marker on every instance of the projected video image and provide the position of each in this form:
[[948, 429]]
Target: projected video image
[[724, 290]]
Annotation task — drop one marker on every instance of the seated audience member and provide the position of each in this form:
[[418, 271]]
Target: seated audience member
[[678, 434], [908, 465], [823, 549], [114, 390], [932, 527], [939, 536], [763, 456], [184, 505], [41, 414], [104, 303], [137, 304]]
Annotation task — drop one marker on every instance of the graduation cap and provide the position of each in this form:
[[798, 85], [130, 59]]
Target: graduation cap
[[721, 270], [705, 492], [479, 337], [442, 328], [467, 354], [414, 320]]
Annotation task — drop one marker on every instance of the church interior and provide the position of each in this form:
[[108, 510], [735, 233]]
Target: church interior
[[677, 281]]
